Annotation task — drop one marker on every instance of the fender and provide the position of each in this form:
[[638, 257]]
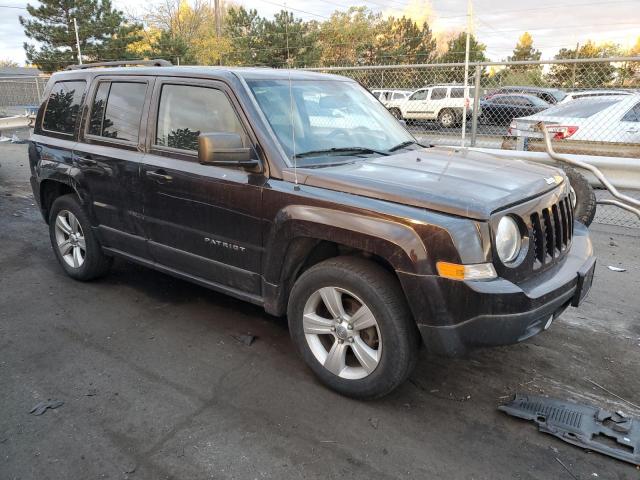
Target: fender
[[297, 228]]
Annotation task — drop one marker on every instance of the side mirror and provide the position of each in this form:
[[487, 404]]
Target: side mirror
[[225, 150]]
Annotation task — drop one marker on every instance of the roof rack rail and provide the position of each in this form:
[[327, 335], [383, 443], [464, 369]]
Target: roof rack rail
[[123, 63]]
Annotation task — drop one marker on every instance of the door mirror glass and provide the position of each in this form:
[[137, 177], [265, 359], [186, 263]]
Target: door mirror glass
[[224, 149]]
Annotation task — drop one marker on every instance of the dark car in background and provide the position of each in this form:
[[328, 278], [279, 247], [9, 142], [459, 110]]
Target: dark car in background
[[502, 109], [549, 95]]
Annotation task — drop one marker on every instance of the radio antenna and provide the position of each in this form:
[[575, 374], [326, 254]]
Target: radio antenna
[[293, 128]]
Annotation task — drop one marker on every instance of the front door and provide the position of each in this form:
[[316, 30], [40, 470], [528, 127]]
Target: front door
[[202, 221]]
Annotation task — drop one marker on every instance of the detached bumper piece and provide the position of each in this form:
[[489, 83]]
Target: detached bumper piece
[[610, 433]]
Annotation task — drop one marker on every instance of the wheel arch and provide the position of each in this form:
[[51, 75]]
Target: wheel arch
[[51, 189]]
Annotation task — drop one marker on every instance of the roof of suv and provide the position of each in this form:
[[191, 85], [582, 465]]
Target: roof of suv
[[248, 73]]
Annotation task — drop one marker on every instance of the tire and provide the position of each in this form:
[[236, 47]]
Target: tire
[[73, 241], [396, 113], [583, 195], [447, 118], [390, 335]]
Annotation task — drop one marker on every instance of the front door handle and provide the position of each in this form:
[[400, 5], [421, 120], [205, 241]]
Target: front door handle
[[159, 175], [632, 130]]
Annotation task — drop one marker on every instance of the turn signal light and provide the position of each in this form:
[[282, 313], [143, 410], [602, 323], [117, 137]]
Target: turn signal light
[[478, 271]]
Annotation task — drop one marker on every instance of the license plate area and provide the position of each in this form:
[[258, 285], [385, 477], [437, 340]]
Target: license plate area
[[585, 280]]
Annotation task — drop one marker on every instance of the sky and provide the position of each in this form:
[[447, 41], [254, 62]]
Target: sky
[[554, 24]]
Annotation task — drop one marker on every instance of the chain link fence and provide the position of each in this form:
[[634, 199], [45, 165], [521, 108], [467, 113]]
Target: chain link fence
[[592, 106], [20, 94]]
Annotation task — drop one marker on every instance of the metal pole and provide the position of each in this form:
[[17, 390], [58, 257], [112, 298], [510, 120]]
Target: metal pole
[[476, 105], [38, 89], [573, 74], [217, 14], [466, 74], [75, 27]]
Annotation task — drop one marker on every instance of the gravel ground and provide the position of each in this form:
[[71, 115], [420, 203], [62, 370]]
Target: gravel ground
[[155, 386]]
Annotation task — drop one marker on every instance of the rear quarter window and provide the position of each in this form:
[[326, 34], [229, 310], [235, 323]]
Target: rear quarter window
[[63, 107]]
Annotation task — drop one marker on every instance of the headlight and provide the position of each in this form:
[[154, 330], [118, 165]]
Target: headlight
[[508, 240]]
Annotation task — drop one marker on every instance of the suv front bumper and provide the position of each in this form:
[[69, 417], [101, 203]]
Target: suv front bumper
[[453, 316]]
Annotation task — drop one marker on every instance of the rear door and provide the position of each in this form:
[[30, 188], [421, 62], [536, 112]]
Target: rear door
[[110, 154], [437, 100], [203, 221]]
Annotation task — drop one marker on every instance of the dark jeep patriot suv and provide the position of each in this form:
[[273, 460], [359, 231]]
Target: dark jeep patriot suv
[[299, 192]]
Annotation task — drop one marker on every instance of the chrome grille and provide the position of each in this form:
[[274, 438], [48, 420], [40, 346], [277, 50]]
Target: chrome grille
[[552, 230]]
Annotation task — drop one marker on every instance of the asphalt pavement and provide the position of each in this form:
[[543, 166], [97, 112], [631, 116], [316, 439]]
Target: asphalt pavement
[[155, 386]]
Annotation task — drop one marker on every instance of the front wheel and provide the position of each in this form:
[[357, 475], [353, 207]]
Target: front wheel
[[349, 320], [396, 113]]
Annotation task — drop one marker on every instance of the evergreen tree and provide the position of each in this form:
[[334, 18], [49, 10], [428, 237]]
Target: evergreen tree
[[584, 75], [457, 46], [524, 51], [455, 53], [103, 33], [522, 74], [401, 40], [170, 47]]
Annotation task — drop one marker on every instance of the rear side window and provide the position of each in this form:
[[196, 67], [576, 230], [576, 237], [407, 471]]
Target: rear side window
[[633, 115], [117, 109], [459, 92], [63, 107], [438, 93], [186, 111]]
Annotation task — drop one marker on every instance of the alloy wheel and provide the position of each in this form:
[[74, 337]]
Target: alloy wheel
[[70, 239], [342, 333]]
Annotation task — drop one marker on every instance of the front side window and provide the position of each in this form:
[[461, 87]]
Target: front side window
[[420, 95], [63, 107], [438, 93], [312, 119], [186, 111], [117, 109]]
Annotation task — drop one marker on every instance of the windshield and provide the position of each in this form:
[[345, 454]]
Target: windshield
[[319, 120]]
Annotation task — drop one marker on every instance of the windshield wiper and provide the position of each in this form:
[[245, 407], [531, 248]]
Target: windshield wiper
[[406, 144], [341, 150]]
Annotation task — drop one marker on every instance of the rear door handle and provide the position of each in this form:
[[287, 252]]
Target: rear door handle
[[159, 175], [632, 130]]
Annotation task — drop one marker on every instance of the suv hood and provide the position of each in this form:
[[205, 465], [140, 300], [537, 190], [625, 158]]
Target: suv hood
[[458, 182]]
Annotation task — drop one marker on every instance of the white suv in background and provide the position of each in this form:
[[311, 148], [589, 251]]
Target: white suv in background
[[444, 103], [388, 96]]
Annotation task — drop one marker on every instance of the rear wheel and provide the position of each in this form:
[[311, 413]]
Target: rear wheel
[[73, 241], [349, 320], [447, 118]]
